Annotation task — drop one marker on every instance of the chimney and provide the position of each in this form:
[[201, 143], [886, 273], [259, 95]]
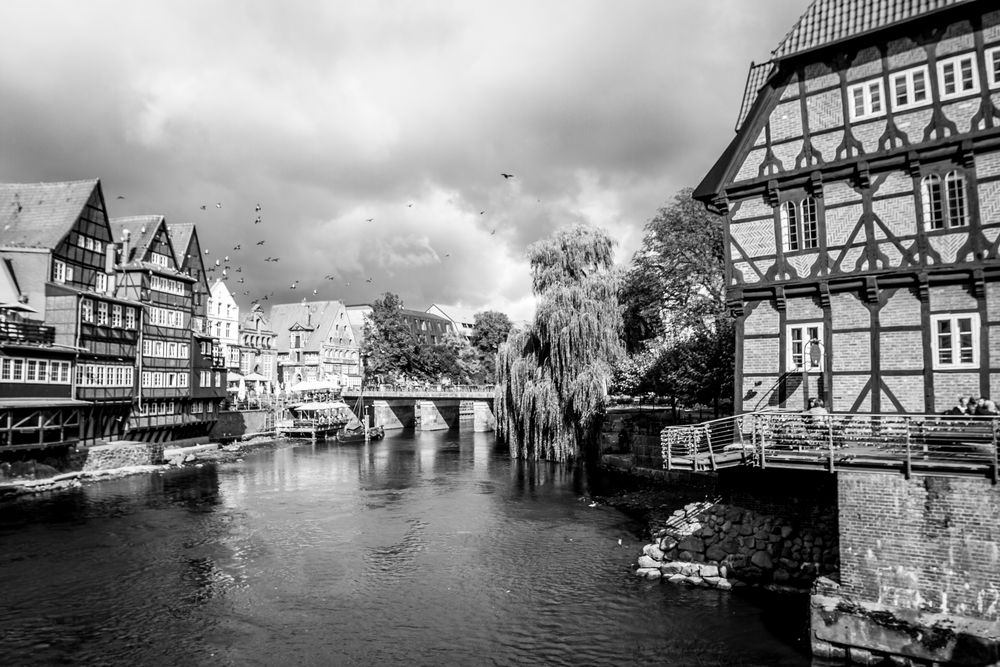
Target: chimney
[[125, 249]]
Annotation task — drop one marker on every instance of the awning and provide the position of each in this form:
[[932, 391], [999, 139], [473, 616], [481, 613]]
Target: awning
[[315, 385], [255, 377], [233, 377], [321, 405]]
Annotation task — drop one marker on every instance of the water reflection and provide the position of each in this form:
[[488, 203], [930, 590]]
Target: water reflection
[[417, 549]]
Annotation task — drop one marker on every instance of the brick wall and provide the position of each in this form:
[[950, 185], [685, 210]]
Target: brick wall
[[925, 543]]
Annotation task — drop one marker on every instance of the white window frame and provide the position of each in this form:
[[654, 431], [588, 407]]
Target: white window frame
[[956, 63], [866, 88], [790, 354], [909, 76], [956, 362], [129, 317], [993, 67], [101, 283]]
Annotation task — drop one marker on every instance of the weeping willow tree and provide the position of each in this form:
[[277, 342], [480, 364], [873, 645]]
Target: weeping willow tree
[[552, 376]]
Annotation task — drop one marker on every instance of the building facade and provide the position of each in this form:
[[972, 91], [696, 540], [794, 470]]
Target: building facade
[[463, 322], [315, 341], [224, 323], [258, 352], [862, 204]]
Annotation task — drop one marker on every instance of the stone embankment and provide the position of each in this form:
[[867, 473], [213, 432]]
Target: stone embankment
[[716, 544]]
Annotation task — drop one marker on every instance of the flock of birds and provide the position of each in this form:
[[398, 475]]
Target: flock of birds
[[224, 266]]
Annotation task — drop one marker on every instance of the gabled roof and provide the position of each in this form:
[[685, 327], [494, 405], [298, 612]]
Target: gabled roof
[[756, 78], [180, 234], [320, 316], [10, 291], [250, 320], [455, 314], [142, 230], [827, 22], [39, 215]]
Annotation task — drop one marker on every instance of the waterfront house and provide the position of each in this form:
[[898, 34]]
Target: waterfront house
[[427, 328], [37, 407], [224, 324], [147, 271], [208, 364], [258, 352], [315, 341], [58, 243], [861, 197]]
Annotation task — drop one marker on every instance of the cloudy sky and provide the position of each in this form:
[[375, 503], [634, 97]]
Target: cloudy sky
[[331, 113]]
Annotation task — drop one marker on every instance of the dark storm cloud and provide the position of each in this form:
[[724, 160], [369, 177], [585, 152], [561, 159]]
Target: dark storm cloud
[[405, 112]]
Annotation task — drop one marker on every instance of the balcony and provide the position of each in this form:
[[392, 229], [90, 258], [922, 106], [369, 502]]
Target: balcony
[[25, 332]]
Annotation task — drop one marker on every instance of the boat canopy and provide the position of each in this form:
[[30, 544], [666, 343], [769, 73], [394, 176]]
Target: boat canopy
[[315, 385], [321, 405]]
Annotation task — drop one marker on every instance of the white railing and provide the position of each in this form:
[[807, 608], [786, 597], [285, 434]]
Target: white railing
[[922, 443]]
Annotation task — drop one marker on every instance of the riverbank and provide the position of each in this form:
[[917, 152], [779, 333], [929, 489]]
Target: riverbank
[[186, 456]]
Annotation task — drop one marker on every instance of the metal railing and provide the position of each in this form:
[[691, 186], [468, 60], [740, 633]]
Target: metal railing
[[425, 391], [940, 444], [26, 332]]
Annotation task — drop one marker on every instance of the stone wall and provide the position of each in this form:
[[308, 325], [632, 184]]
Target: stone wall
[[922, 544], [745, 544], [236, 424], [123, 455]]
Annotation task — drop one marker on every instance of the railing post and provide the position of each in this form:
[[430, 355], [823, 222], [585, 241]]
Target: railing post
[[909, 454], [670, 458], [829, 438], [763, 461], [995, 471], [711, 452]]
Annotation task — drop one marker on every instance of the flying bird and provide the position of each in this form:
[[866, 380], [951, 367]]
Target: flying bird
[[369, 280], [121, 196], [240, 281], [206, 251], [315, 291], [409, 206], [447, 254], [203, 207], [294, 285], [482, 213], [261, 242], [236, 247], [506, 176], [218, 204], [257, 209], [217, 262], [347, 284], [239, 269], [369, 219], [226, 258], [493, 232], [257, 220]]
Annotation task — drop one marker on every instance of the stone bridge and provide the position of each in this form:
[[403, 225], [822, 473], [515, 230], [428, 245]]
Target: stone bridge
[[427, 409]]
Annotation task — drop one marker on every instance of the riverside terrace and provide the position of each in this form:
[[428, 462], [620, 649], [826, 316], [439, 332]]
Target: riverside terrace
[[911, 444]]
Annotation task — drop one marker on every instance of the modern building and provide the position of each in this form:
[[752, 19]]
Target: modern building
[[427, 328], [463, 321], [861, 195], [56, 239], [315, 341], [258, 352], [224, 323]]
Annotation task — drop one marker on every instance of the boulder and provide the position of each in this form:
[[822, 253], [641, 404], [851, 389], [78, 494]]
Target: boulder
[[709, 571], [648, 572], [724, 585], [677, 578], [716, 552], [694, 580], [653, 551], [647, 562], [786, 531], [686, 556], [712, 581], [667, 543], [672, 567], [692, 543], [746, 529], [761, 559], [734, 514]]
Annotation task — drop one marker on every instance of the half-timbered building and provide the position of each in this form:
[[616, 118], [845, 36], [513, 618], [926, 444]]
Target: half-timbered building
[[208, 364], [862, 204], [148, 272], [58, 241]]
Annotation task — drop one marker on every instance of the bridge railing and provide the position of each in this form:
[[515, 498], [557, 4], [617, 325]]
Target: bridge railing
[[444, 391], [833, 441]]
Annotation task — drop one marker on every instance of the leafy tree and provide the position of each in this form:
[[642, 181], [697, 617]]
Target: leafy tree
[[678, 330], [389, 344], [489, 331], [552, 377], [432, 362], [677, 279]]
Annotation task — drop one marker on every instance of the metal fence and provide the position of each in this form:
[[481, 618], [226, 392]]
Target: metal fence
[[907, 443]]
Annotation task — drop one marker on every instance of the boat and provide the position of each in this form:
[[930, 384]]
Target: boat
[[357, 433], [315, 420]]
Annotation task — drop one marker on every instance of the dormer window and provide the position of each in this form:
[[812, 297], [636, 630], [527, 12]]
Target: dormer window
[[958, 76], [158, 259], [866, 100], [942, 199], [799, 225]]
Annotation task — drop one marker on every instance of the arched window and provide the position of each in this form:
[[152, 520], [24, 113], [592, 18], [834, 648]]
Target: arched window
[[943, 201]]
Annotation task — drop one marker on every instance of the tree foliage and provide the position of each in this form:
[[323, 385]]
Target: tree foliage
[[490, 330], [552, 376], [679, 334], [389, 343]]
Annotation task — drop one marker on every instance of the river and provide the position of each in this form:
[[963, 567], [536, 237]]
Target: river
[[420, 549]]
